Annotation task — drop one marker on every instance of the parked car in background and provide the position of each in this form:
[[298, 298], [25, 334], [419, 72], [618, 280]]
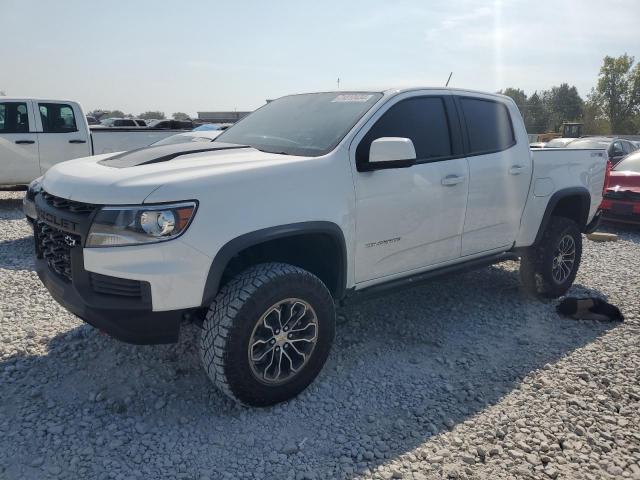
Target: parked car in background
[[212, 126], [621, 201], [192, 136], [559, 142], [617, 148], [35, 134], [123, 122], [173, 124], [92, 120]]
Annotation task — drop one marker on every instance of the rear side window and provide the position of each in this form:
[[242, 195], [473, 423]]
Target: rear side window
[[488, 124], [421, 119], [57, 118], [14, 117]]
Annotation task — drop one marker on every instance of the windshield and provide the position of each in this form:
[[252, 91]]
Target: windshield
[[309, 124], [629, 164], [589, 143]]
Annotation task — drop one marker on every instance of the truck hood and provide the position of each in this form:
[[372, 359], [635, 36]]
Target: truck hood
[[624, 180], [130, 177]]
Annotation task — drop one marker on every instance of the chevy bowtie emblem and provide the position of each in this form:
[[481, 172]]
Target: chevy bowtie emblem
[[69, 240]]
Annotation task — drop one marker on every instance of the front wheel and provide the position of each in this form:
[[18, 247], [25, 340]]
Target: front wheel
[[268, 333], [550, 268]]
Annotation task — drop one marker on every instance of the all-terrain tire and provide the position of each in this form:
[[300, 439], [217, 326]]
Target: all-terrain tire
[[537, 264], [233, 317]]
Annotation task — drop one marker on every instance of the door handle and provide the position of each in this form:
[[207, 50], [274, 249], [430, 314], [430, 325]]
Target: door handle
[[451, 180], [77, 141], [516, 169], [25, 142]]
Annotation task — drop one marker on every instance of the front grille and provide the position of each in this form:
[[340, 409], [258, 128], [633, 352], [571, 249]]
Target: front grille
[[122, 287], [622, 195], [68, 205], [55, 247]]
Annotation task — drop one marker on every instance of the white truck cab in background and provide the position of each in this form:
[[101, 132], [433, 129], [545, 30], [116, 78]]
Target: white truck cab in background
[[35, 134]]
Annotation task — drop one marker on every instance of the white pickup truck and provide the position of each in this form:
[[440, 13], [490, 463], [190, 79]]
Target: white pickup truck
[[37, 133], [311, 201]]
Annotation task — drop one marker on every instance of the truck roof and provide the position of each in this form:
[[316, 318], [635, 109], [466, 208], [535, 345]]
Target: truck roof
[[38, 99], [396, 90]]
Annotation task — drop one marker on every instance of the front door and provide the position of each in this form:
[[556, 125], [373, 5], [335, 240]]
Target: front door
[[19, 162], [410, 218]]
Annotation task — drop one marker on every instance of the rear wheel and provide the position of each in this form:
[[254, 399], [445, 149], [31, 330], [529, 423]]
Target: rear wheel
[[268, 333], [550, 268]]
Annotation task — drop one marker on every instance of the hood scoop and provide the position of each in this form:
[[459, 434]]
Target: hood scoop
[[163, 153]]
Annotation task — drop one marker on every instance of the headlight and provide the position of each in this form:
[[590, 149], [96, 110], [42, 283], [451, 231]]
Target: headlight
[[28, 201], [116, 226]]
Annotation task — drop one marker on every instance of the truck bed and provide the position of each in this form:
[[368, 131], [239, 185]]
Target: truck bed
[[561, 168]]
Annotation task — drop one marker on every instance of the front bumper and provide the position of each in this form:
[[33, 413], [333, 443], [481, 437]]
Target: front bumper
[[137, 294], [131, 321]]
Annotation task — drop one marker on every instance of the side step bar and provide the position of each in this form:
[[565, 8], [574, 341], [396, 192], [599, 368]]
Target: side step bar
[[404, 283]]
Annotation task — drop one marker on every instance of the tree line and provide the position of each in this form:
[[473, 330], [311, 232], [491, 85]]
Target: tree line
[[612, 106]]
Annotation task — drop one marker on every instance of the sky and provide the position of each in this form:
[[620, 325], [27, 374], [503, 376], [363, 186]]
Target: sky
[[212, 55]]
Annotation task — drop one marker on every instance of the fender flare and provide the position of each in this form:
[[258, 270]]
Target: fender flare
[[585, 200], [238, 244]]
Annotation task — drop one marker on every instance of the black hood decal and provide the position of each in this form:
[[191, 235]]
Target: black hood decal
[[163, 153]]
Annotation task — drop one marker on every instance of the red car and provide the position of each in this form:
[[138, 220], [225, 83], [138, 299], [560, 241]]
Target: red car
[[621, 202]]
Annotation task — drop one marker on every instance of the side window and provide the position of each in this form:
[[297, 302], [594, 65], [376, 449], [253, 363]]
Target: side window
[[57, 118], [14, 117], [488, 124], [421, 119], [617, 149]]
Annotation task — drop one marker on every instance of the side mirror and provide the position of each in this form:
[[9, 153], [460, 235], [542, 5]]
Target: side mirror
[[391, 152]]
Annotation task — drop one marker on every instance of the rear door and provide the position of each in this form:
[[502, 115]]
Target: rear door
[[499, 174], [62, 133], [19, 162]]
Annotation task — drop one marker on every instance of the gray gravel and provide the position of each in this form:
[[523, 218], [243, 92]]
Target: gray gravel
[[462, 378]]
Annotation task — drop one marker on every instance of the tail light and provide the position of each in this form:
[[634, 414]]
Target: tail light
[[605, 186], [607, 177]]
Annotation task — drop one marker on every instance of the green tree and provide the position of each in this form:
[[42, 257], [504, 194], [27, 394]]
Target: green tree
[[617, 94], [180, 116], [563, 104], [101, 113], [595, 122], [537, 119], [520, 99], [151, 114]]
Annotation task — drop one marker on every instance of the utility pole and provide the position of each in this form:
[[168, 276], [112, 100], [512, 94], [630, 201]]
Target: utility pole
[[338, 83]]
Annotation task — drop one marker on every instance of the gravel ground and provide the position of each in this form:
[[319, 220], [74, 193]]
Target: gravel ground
[[462, 378]]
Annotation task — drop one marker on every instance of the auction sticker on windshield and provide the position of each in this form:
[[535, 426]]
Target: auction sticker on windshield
[[352, 97]]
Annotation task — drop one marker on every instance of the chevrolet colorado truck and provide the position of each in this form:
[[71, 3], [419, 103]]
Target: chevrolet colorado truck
[[312, 201], [35, 134]]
